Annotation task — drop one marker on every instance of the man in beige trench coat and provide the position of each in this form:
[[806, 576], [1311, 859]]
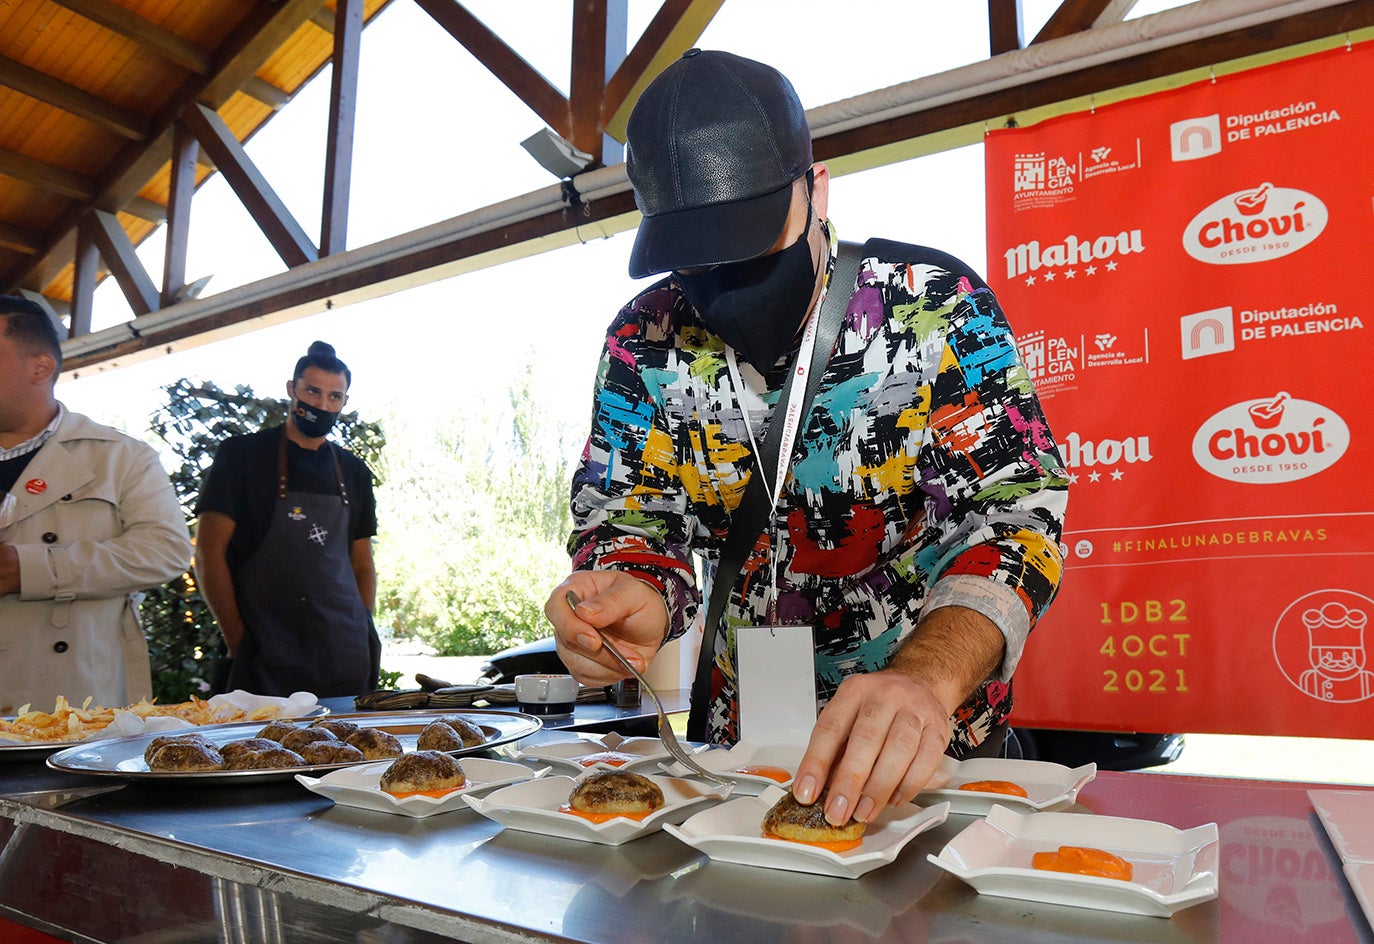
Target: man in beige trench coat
[[88, 519]]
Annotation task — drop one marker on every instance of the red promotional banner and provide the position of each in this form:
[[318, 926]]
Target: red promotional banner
[[1189, 276]]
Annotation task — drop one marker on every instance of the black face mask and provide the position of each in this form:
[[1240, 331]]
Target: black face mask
[[756, 306], [312, 421]]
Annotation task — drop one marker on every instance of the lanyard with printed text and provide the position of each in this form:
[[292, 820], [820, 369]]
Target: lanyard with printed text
[[791, 417]]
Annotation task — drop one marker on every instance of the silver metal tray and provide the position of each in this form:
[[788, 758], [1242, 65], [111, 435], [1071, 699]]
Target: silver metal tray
[[123, 757]]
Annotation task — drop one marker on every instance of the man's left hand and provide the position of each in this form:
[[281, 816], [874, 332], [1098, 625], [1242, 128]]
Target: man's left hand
[[877, 743]]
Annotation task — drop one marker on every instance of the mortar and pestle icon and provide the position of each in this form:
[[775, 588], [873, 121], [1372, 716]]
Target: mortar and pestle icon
[[1252, 202], [1266, 414]]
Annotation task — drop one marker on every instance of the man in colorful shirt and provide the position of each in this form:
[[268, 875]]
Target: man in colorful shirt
[[917, 526]]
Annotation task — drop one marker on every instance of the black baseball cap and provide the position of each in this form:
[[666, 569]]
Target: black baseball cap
[[715, 144]]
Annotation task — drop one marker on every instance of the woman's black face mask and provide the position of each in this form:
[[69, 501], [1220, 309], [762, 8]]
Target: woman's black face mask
[[756, 306]]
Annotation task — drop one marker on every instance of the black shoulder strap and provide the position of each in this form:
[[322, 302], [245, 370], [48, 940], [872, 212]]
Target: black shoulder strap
[[750, 516]]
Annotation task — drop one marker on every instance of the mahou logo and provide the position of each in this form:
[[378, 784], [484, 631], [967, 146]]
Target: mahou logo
[[1256, 225], [1272, 440]]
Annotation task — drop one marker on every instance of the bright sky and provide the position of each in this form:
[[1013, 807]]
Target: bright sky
[[438, 136]]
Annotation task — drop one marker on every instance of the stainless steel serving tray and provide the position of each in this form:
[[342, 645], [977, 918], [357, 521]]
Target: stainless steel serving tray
[[123, 757]]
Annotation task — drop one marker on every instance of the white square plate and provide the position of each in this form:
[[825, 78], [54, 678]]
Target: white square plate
[[1048, 786], [570, 756], [360, 786], [1173, 868], [727, 763], [1348, 816], [533, 806], [732, 832]]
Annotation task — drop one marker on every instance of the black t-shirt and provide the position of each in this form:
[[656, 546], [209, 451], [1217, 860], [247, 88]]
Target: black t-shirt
[[11, 469], [242, 483]]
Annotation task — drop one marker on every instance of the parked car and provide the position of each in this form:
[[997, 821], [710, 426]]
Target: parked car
[[1110, 750]]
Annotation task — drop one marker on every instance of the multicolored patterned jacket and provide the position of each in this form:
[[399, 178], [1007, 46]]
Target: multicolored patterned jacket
[[925, 475]]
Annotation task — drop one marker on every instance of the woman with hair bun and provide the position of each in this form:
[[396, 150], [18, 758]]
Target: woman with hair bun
[[284, 546]]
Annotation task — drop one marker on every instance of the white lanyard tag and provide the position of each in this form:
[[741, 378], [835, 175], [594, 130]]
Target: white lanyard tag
[[777, 683]]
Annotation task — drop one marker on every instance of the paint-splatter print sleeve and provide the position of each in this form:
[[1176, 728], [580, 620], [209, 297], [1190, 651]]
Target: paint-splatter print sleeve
[[628, 498], [926, 476]]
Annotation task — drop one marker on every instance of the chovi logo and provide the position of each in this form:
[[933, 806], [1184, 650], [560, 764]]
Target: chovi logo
[[1255, 225], [1272, 440]]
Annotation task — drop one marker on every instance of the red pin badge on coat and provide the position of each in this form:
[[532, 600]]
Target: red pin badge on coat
[[35, 486]]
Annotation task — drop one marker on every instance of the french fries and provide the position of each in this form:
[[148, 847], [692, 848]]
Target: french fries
[[69, 723]]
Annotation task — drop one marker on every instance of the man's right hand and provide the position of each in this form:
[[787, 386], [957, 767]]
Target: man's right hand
[[9, 569], [628, 610]]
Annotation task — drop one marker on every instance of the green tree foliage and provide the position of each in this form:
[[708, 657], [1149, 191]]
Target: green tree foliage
[[474, 524], [183, 637]]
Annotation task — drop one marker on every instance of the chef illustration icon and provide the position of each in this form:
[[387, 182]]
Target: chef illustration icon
[[1335, 634]]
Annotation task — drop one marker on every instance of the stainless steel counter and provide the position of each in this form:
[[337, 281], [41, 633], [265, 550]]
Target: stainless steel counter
[[273, 862]]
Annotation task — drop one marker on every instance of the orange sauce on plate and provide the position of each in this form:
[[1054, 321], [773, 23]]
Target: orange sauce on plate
[[609, 758], [603, 817], [994, 786], [1084, 860], [838, 845], [772, 773], [427, 793]]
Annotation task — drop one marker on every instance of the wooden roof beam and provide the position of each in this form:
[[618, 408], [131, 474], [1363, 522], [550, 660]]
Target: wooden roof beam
[[259, 37], [265, 92], [43, 176], [343, 101], [1168, 60], [1006, 26], [1115, 12], [145, 209], [675, 28], [124, 22], [119, 255], [1077, 16], [67, 184], [324, 18], [460, 245], [178, 236], [123, 122], [502, 61], [20, 239], [267, 209], [244, 51], [84, 277], [170, 46], [587, 84]]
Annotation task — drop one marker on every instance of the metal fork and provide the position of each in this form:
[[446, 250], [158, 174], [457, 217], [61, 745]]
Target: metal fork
[[665, 730]]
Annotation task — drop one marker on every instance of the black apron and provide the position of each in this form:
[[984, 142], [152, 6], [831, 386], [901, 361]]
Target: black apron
[[305, 625]]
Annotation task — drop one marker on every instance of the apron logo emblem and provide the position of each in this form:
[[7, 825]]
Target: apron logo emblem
[[318, 534], [295, 514]]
